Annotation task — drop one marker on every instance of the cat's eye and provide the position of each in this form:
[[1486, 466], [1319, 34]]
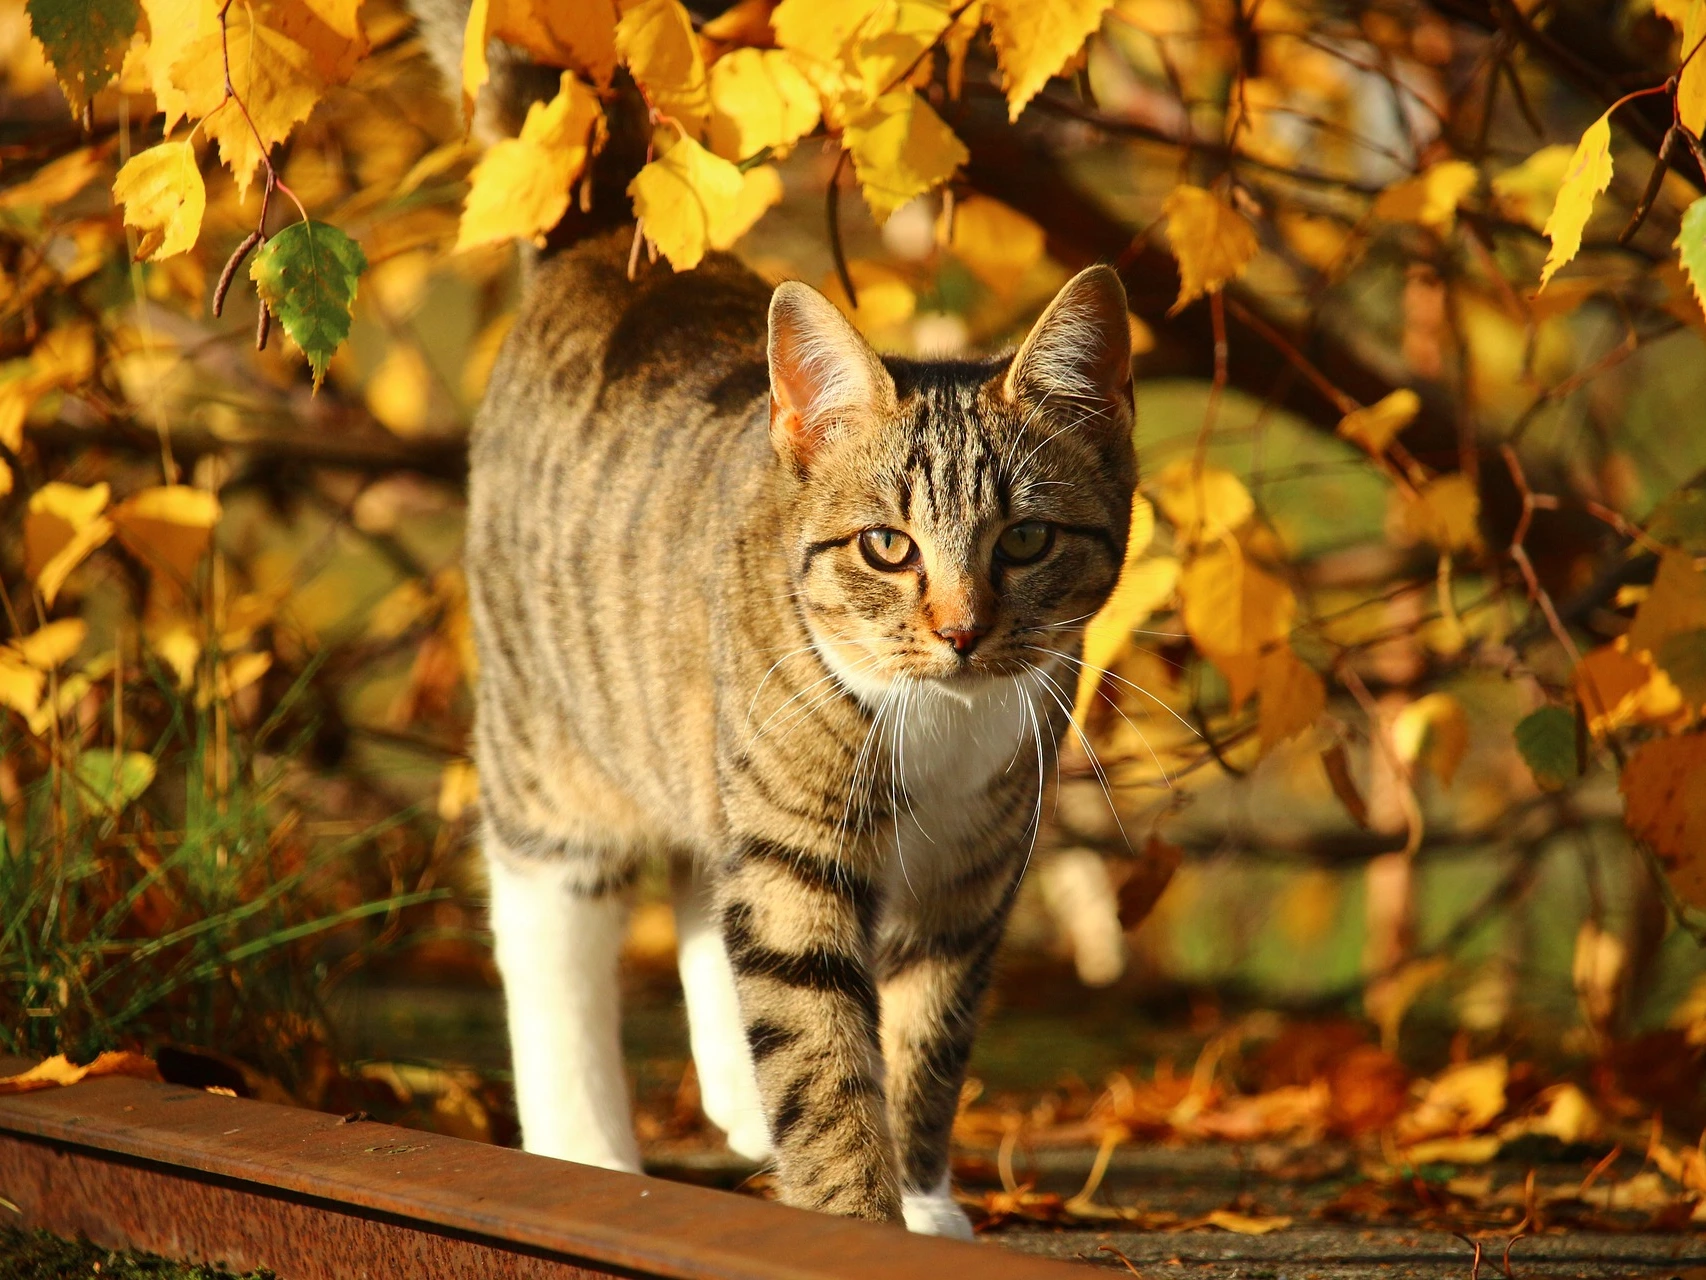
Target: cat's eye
[[887, 549], [1025, 543]]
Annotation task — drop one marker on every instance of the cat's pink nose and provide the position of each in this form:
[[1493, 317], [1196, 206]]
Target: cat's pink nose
[[964, 639]]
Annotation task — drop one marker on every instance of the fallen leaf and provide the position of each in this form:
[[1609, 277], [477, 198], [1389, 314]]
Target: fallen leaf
[[1459, 1101], [60, 1070]]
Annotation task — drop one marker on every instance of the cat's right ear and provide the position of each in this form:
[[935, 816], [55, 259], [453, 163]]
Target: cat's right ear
[[823, 375]]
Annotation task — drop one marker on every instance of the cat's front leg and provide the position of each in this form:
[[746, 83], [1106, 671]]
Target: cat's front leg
[[934, 962], [798, 927]]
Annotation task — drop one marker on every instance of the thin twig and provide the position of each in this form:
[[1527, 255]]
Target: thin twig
[[832, 216]]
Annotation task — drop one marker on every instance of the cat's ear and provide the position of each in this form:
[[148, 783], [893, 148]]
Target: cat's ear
[[823, 375], [1080, 349]]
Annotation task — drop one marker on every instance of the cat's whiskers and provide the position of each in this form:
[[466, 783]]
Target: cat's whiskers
[[1054, 691], [1119, 711], [1136, 688]]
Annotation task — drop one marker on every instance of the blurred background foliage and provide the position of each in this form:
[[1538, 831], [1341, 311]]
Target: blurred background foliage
[[1400, 717]]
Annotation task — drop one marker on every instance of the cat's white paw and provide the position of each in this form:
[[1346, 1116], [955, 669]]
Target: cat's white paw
[[935, 1214], [751, 1139]]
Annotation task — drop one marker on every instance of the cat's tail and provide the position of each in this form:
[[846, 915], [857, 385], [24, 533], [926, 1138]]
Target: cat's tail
[[515, 83]]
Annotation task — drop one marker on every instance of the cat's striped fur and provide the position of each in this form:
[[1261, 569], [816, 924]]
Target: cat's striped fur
[[685, 653]]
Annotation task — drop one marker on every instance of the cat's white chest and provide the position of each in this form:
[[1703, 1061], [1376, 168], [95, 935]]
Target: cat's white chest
[[948, 746]]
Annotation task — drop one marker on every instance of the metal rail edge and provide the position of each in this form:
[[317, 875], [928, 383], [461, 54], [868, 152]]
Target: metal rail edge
[[193, 1175]]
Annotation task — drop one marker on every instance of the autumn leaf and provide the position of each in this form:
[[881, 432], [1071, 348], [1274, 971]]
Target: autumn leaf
[[1212, 241], [52, 645], [21, 683], [1526, 192], [656, 41], [1675, 603], [306, 276], [168, 528], [1691, 238], [759, 99], [1615, 687], [1034, 40], [1143, 586], [688, 201], [1378, 425], [1202, 502], [521, 187], [1691, 84], [1429, 199], [1664, 792], [62, 526], [1292, 693], [85, 40], [1546, 739], [1433, 731], [1588, 174], [580, 36], [901, 149], [163, 197], [115, 778], [274, 77], [1232, 606], [1445, 511], [173, 27], [59, 1070], [57, 181], [998, 244]]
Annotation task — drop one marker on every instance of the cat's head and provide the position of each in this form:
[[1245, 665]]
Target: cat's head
[[953, 520]]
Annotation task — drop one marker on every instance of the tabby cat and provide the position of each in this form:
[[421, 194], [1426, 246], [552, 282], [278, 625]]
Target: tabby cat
[[801, 620]]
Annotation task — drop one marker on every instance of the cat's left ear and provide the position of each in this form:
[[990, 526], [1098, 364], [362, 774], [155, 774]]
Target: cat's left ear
[[1080, 349], [824, 377]]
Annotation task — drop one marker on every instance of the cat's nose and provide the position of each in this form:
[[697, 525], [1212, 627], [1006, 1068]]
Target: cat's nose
[[964, 639]]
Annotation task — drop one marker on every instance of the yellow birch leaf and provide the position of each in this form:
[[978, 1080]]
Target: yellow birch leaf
[[820, 29], [1203, 503], [71, 553], [656, 41], [1233, 607], [1527, 192], [901, 149], [580, 36], [56, 512], [1212, 241], [1664, 792], [458, 789], [1433, 731], [1675, 603], [238, 673], [759, 99], [998, 244], [1293, 696], [274, 76], [339, 15], [956, 42], [163, 197], [5, 478], [1615, 687], [521, 186], [398, 391], [1459, 1100], [760, 190], [168, 528], [686, 200], [886, 298], [335, 50], [20, 683], [1476, 1149], [1144, 586], [1375, 427], [52, 645], [1691, 85], [1445, 511], [1035, 40], [1588, 173], [1429, 199], [896, 37], [55, 182], [173, 26], [1245, 1224], [59, 1070]]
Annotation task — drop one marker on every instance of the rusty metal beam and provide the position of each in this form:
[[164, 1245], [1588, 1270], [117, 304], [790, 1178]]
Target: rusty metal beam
[[188, 1174]]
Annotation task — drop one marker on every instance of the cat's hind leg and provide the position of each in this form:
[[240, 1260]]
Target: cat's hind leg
[[558, 922], [728, 1084]]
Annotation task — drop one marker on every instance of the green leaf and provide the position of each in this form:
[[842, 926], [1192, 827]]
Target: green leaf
[[85, 40], [1680, 520], [115, 779], [306, 277], [1691, 247], [1547, 740]]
